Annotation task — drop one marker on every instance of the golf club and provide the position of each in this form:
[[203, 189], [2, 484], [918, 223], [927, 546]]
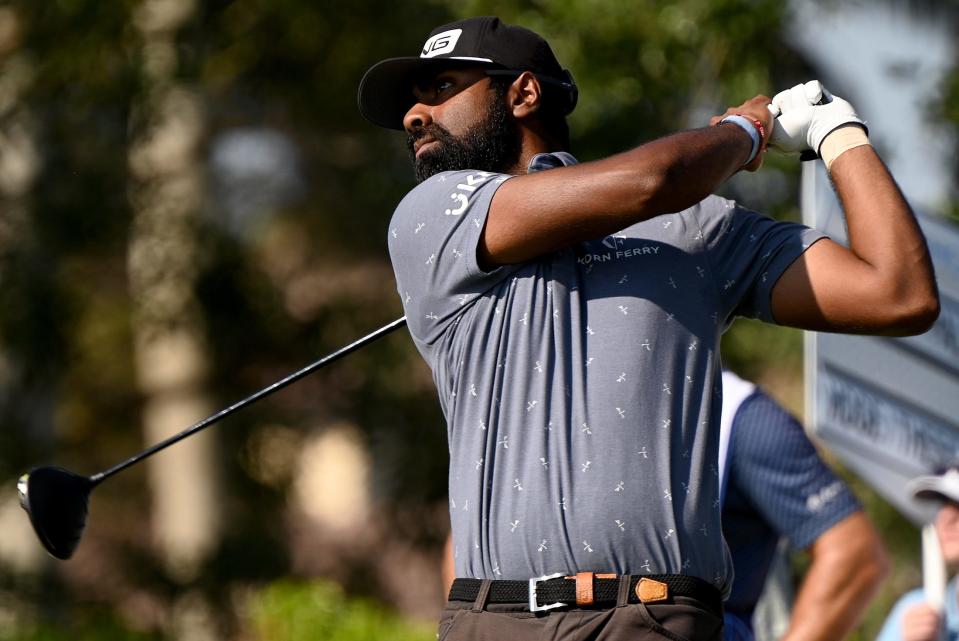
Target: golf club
[[56, 499]]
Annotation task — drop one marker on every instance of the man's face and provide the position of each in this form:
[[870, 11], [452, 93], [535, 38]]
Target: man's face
[[460, 121]]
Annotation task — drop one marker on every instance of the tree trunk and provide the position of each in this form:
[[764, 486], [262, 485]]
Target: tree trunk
[[171, 356]]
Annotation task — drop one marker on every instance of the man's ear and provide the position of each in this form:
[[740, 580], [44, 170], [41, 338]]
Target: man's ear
[[525, 95]]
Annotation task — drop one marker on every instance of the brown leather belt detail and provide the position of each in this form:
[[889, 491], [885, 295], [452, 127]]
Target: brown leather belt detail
[[651, 591], [584, 588]]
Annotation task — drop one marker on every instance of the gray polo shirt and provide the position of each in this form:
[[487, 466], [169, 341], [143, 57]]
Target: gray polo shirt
[[581, 389]]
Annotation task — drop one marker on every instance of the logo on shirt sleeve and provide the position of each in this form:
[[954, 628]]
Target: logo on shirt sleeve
[[820, 499], [465, 190]]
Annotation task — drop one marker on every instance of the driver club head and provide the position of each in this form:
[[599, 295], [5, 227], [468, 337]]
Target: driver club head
[[56, 501]]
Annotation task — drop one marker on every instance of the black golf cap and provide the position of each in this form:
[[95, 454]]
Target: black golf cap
[[385, 93]]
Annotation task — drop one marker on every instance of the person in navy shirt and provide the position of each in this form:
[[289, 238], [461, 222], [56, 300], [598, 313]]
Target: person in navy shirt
[[775, 486]]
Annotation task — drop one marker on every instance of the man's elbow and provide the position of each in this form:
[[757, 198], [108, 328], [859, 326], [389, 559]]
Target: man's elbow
[[871, 564], [915, 313]]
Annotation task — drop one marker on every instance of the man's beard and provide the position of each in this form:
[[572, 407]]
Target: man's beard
[[491, 145]]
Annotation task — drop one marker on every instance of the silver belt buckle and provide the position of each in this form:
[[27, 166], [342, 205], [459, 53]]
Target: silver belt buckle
[[533, 605]]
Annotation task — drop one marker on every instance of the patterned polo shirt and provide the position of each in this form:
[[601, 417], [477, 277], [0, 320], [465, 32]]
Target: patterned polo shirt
[[581, 389]]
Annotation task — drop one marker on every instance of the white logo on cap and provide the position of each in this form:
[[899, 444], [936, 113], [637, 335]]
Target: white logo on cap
[[441, 43]]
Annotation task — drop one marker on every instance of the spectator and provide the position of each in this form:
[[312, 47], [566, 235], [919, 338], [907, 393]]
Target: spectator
[[775, 486], [913, 618]]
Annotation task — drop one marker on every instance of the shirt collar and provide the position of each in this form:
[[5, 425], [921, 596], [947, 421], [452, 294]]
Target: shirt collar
[[542, 162]]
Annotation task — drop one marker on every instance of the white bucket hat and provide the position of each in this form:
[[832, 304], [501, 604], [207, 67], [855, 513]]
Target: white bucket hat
[[936, 487]]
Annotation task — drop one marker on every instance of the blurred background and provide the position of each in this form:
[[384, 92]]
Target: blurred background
[[191, 207]]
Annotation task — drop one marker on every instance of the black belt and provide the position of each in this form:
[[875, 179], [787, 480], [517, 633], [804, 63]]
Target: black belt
[[555, 590]]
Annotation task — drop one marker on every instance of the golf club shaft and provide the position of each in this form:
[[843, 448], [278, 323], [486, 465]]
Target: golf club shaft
[[266, 391]]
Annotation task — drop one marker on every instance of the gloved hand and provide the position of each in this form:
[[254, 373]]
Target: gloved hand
[[806, 114]]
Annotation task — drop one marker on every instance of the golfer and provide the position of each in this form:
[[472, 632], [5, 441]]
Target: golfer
[[571, 314]]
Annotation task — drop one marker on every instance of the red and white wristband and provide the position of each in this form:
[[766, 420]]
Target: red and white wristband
[[755, 129]]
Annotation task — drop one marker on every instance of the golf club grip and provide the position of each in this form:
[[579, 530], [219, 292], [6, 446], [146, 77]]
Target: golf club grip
[[266, 391]]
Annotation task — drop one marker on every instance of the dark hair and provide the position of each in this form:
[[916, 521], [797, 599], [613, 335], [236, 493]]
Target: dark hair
[[552, 112]]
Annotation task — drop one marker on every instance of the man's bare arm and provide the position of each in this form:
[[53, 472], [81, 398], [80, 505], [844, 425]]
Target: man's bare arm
[[535, 214], [849, 563], [884, 282]]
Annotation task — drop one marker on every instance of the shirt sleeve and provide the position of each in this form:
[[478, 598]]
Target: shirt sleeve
[[747, 252], [778, 470], [433, 238]]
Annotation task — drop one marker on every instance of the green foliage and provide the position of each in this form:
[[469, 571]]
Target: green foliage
[[286, 610], [303, 611], [647, 68], [752, 347], [949, 106], [948, 114], [84, 626]]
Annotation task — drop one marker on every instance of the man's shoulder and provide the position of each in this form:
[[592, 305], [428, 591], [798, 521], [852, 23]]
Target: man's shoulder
[[714, 206], [447, 194], [767, 435], [713, 212], [714, 216], [759, 410], [466, 181]]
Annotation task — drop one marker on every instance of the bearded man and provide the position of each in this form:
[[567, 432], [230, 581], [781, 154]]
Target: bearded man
[[571, 314]]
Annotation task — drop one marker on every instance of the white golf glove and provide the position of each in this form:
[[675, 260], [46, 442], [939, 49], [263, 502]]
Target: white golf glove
[[806, 114]]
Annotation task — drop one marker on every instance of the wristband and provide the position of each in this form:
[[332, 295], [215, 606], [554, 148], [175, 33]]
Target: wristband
[[752, 127], [841, 140]]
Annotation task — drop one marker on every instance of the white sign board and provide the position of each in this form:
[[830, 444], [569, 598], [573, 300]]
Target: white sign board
[[888, 407]]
